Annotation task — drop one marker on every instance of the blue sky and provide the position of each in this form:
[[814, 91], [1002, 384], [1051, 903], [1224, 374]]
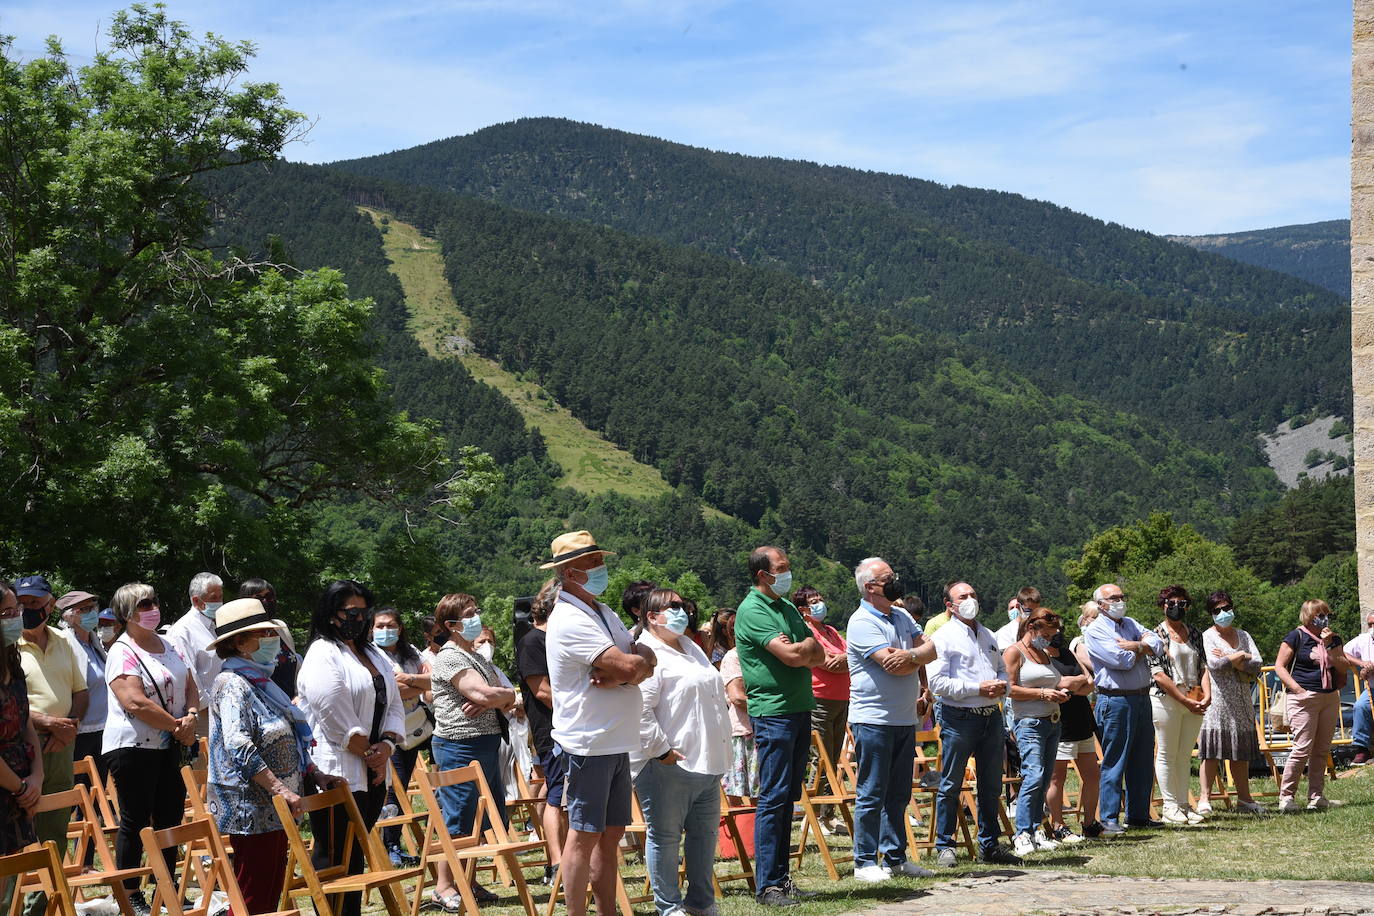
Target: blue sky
[[1176, 117]]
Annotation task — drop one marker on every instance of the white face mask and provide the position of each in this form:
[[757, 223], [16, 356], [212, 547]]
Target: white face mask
[[107, 634], [967, 609], [1116, 609], [485, 650]]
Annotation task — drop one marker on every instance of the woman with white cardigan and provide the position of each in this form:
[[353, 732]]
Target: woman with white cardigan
[[347, 691], [684, 751]]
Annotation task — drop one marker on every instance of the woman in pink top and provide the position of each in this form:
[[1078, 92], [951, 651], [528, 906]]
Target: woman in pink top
[[830, 682]]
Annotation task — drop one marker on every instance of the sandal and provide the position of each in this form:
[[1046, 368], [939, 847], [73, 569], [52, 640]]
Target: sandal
[[449, 903]]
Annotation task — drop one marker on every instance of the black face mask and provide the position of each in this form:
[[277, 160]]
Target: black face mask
[[1174, 612], [1057, 641], [33, 617], [352, 628], [892, 590], [439, 638]]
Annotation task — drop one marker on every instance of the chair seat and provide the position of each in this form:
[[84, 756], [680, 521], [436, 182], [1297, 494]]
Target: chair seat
[[368, 880]]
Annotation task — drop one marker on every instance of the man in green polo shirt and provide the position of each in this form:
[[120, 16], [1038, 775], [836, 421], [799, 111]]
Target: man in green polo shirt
[[776, 654]]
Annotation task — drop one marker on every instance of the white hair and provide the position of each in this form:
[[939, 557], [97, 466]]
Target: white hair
[[203, 582], [863, 573], [1097, 592]]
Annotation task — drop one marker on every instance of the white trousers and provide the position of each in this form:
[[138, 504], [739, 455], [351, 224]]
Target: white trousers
[[1176, 731]]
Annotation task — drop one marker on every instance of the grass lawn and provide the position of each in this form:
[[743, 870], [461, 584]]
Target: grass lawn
[[1308, 846], [590, 463]]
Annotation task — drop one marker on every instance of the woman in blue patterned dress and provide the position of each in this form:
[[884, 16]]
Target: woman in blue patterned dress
[[259, 747]]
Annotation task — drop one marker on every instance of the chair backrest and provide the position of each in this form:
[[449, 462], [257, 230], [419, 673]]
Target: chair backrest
[[825, 769], [202, 861], [42, 867], [431, 781], [339, 802], [86, 767], [197, 790]]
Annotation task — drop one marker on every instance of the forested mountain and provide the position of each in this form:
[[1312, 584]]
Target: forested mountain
[[831, 424], [1215, 348], [1316, 252]]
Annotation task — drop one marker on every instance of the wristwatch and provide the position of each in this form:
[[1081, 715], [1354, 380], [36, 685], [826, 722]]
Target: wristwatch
[[665, 755]]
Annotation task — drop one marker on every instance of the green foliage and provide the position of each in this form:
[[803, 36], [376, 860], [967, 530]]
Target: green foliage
[[162, 411], [1217, 348], [1316, 252], [1282, 542]]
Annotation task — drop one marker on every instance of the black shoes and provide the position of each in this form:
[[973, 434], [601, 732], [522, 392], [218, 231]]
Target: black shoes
[[1092, 831], [1143, 822], [999, 855], [139, 904], [482, 895], [776, 896], [790, 887]]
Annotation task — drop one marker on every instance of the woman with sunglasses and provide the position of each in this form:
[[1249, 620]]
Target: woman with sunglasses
[[348, 693], [1228, 726], [152, 710], [684, 751], [1037, 691], [1180, 696]]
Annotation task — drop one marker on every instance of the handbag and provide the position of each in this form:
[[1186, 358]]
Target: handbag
[[1277, 712], [186, 754], [419, 726]]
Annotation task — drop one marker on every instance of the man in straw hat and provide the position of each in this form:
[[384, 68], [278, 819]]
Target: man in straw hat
[[594, 670]]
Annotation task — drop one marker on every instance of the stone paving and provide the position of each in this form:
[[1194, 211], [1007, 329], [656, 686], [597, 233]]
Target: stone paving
[[1069, 894]]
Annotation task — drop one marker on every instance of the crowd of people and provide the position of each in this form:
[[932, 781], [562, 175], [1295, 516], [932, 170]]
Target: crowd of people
[[674, 711]]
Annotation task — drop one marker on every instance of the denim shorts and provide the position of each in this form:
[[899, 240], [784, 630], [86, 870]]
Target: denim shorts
[[555, 767], [597, 792]]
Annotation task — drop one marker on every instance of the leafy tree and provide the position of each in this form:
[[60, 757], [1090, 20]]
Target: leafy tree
[[162, 410]]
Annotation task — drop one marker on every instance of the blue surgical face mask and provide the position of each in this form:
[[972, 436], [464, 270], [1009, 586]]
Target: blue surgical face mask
[[90, 619], [210, 608], [675, 619], [597, 579], [1013, 613], [265, 655], [782, 583], [386, 637], [1225, 618], [1040, 642], [12, 627], [472, 627], [818, 611]]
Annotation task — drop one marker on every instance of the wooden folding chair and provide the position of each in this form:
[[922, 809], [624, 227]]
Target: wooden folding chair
[[839, 793], [40, 867], [923, 800], [84, 833], [109, 817], [732, 808], [326, 886], [204, 864]]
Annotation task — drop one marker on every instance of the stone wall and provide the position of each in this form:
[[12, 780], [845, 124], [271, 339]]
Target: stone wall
[[1362, 287]]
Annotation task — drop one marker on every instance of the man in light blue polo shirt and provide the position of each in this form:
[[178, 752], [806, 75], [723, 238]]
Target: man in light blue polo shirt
[[1119, 647], [886, 654]]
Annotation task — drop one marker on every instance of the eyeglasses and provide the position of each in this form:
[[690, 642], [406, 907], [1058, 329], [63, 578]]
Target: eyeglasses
[[675, 606], [1179, 603], [12, 612], [1108, 599], [147, 604], [1222, 609]]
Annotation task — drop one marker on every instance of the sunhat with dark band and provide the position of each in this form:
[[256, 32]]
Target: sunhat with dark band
[[568, 547], [243, 615]]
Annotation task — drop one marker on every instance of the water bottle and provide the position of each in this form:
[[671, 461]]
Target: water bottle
[[389, 811]]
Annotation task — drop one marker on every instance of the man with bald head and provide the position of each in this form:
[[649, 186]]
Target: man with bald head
[[776, 653], [886, 655], [970, 678]]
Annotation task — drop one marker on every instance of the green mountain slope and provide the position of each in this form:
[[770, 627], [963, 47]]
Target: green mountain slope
[[1217, 348], [835, 427], [1316, 252]]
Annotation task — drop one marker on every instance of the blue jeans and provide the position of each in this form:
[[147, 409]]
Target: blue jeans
[[680, 808], [962, 735], [783, 743], [884, 755], [460, 802], [1125, 726], [1362, 728], [1038, 742]]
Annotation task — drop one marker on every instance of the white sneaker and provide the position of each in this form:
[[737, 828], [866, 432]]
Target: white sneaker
[[872, 874], [1250, 807], [1066, 837], [1173, 815], [1193, 817], [1043, 842], [1023, 845], [1321, 803], [825, 829], [1288, 806], [1204, 808], [912, 870]]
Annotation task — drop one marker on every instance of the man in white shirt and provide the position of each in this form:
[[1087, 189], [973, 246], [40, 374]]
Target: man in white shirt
[[594, 672], [193, 632], [969, 677], [1360, 650]]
